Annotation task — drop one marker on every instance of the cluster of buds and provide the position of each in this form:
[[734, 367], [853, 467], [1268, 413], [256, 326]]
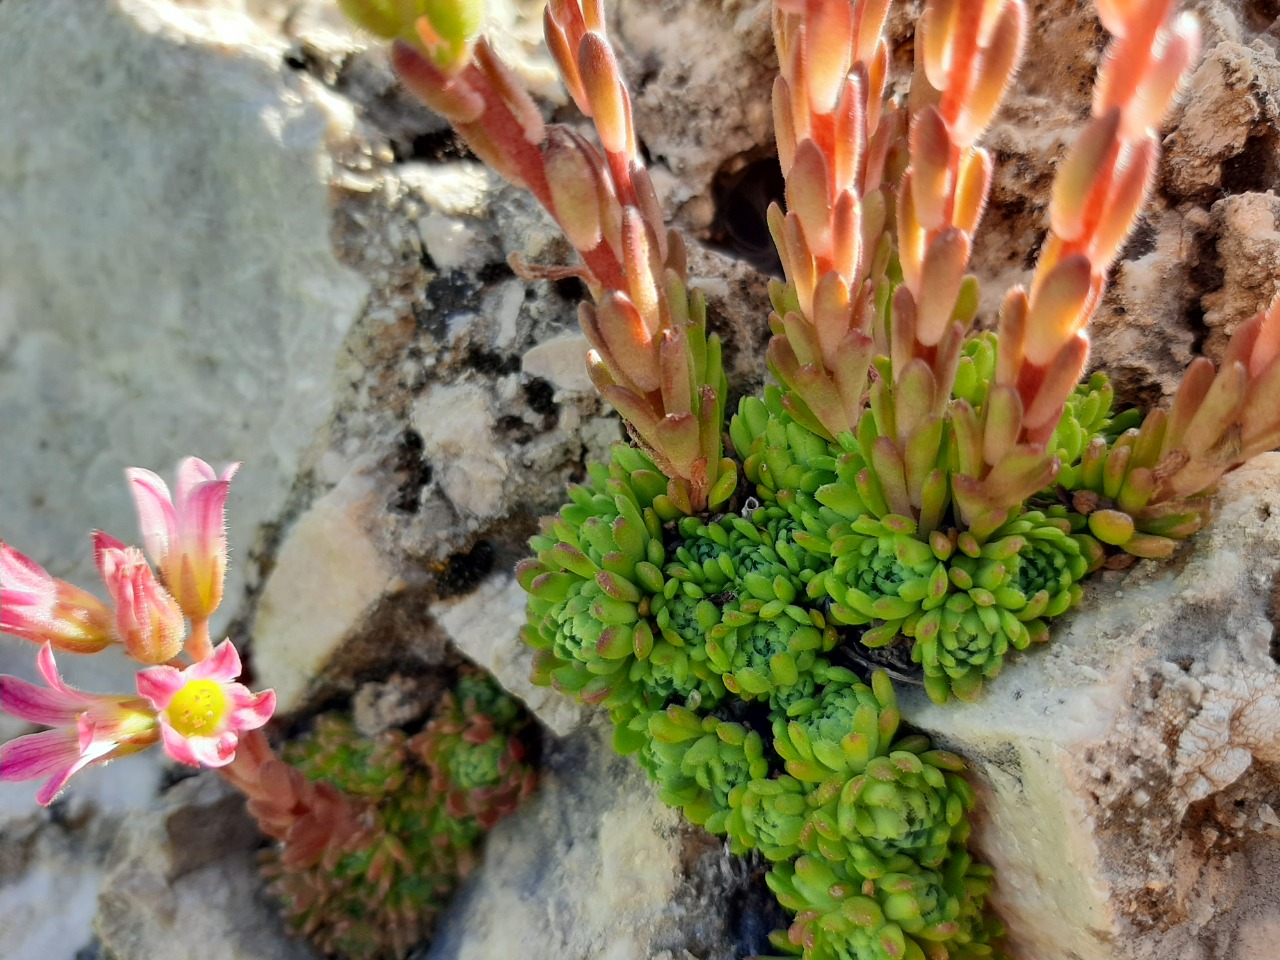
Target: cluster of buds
[[186, 697], [1149, 488], [1097, 195], [650, 356]]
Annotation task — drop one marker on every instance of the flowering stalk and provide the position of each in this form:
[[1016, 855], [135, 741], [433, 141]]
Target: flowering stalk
[[1151, 486], [650, 357], [835, 139], [197, 711], [314, 821], [1097, 195]]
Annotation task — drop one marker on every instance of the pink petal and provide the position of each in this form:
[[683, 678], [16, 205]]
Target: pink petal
[[157, 518], [255, 713], [53, 786], [214, 751], [39, 755], [204, 519], [157, 685], [222, 666], [192, 472], [177, 746], [48, 668], [35, 704], [20, 572], [108, 556], [97, 739]]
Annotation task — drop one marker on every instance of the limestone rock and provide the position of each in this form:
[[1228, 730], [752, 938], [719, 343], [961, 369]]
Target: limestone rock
[[328, 557], [167, 285], [483, 625], [182, 882], [596, 866], [1128, 772]]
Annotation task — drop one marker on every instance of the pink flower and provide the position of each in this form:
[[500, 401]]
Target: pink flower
[[186, 537], [37, 607], [87, 728], [202, 712], [148, 620]]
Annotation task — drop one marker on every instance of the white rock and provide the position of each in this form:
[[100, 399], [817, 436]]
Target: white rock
[[595, 865], [456, 424], [485, 625], [328, 573], [48, 912], [1118, 767], [561, 361], [167, 284], [183, 884]]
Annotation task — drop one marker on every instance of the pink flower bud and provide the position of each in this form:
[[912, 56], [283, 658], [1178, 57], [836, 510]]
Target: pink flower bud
[[185, 536], [37, 607], [148, 620]]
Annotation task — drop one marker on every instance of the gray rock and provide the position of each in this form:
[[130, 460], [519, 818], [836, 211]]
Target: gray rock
[[182, 882], [595, 865], [1128, 773], [167, 285]]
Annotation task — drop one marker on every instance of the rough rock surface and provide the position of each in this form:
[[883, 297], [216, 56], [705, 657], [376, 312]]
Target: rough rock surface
[[1129, 771], [181, 883], [597, 866], [248, 243]]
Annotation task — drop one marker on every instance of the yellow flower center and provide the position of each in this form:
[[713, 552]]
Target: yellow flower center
[[197, 709]]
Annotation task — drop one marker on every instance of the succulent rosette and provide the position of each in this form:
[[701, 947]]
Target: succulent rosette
[[1003, 592], [768, 546], [381, 896], [908, 801], [789, 463], [675, 673], [478, 768], [335, 751], [697, 761], [884, 575], [598, 564], [765, 658], [839, 731], [1087, 415], [777, 452], [843, 916], [769, 816]]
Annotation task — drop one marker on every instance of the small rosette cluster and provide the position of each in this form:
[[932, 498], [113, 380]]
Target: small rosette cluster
[[733, 706], [426, 802], [475, 754], [873, 862], [597, 567]]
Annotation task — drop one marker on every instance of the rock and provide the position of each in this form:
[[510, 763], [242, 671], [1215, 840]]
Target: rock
[[560, 361], [485, 626], [1128, 773], [168, 283], [48, 888], [1248, 254], [328, 557], [597, 866], [183, 882]]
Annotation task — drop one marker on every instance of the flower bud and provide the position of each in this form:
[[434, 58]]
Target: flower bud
[[39, 608], [148, 620]]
